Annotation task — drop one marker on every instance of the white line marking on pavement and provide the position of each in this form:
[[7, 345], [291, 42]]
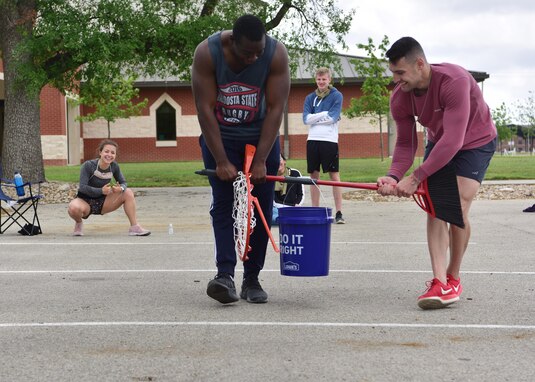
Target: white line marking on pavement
[[62, 271], [85, 243], [267, 323]]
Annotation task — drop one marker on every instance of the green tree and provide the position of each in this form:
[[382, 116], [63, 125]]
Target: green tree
[[526, 117], [61, 42], [502, 120], [113, 101], [374, 102]]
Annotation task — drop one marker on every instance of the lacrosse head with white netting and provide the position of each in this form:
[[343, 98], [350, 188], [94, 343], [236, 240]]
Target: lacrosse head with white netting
[[243, 215]]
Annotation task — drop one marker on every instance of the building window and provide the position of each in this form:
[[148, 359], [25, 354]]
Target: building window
[[165, 122]]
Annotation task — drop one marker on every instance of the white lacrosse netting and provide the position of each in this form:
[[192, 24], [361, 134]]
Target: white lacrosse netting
[[242, 213]]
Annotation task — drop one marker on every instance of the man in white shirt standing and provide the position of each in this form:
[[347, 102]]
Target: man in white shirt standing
[[322, 112]]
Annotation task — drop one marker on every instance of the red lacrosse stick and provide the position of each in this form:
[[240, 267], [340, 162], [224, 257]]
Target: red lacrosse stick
[[244, 203]]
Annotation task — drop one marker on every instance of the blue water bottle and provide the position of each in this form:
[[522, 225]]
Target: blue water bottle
[[18, 183]]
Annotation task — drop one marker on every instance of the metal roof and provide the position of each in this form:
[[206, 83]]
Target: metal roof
[[350, 76], [303, 75]]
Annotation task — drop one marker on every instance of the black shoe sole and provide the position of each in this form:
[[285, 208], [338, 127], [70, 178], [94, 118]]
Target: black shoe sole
[[245, 297], [221, 293]]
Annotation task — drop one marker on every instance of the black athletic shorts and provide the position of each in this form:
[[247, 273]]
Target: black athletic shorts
[[471, 163], [95, 204], [322, 153]]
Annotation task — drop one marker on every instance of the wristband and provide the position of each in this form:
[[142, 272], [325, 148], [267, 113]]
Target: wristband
[[123, 188], [393, 177]]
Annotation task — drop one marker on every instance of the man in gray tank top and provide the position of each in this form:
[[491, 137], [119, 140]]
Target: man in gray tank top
[[241, 83]]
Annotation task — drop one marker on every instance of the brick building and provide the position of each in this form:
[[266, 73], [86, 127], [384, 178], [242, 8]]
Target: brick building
[[168, 130]]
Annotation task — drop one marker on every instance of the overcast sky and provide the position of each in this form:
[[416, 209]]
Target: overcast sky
[[492, 36]]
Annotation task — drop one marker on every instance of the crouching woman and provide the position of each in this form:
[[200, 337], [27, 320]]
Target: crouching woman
[[97, 195]]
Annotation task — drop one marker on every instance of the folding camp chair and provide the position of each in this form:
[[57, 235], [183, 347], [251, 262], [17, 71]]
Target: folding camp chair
[[19, 210]]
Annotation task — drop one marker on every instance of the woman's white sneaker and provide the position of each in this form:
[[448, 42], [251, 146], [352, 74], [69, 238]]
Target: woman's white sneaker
[[137, 230]]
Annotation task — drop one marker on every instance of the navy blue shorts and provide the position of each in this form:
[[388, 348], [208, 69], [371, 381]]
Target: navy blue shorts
[[471, 163], [322, 153], [222, 206]]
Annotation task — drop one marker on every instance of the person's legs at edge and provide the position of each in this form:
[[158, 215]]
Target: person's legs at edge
[[126, 199], [222, 287], [337, 194], [468, 189], [439, 238], [313, 169], [78, 208], [129, 206], [314, 190], [471, 166], [460, 237], [438, 294], [330, 163], [251, 289], [337, 191]]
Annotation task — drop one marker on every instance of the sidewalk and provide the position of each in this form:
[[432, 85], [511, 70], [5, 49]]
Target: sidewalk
[[513, 181], [187, 209]]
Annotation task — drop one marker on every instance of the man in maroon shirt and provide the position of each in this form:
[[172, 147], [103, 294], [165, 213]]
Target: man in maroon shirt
[[447, 101]]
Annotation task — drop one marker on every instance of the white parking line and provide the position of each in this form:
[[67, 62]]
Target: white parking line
[[63, 271], [267, 323], [153, 243], [85, 243]]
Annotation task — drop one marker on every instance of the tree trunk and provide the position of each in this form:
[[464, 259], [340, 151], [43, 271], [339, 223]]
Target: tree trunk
[[381, 136], [21, 149]]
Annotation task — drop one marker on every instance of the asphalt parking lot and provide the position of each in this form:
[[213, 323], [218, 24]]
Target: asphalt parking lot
[[109, 307]]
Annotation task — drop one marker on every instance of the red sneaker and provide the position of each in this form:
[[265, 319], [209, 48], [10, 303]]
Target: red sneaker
[[456, 284], [437, 296]]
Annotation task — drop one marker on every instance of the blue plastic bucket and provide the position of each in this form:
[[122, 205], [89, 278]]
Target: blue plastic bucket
[[305, 240]]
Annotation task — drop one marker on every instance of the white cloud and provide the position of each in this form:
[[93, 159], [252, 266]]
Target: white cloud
[[493, 36]]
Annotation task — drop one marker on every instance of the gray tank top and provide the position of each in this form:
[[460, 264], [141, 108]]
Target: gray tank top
[[241, 104]]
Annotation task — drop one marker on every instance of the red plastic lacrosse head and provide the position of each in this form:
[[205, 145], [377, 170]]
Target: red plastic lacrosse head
[[421, 197], [250, 151]]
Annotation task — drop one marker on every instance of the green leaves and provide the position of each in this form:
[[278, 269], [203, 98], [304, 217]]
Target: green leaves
[[502, 120], [73, 39], [65, 43], [375, 93], [526, 116], [374, 102], [110, 99]]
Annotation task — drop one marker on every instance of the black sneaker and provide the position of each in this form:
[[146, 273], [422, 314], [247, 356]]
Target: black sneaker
[[339, 219], [222, 289], [252, 291]]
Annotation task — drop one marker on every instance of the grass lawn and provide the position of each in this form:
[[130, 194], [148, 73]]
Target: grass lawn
[[182, 174]]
